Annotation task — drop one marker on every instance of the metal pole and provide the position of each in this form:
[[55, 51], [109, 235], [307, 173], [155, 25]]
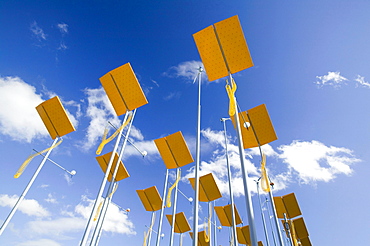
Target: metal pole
[[20, 199], [262, 214], [248, 198], [73, 172], [98, 228], [162, 210], [276, 219], [102, 186], [151, 228], [197, 164], [230, 186], [174, 209], [209, 222], [272, 229], [214, 225]]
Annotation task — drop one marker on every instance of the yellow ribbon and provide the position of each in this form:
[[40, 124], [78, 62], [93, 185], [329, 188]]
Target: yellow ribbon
[[146, 234], [168, 200], [106, 140], [101, 203], [206, 235], [265, 183], [230, 92], [26, 162]]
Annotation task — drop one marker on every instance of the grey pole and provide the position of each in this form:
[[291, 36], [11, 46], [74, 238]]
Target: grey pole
[[262, 214], [248, 198], [272, 228], [174, 209], [235, 242], [151, 228], [197, 164], [162, 210], [276, 219], [24, 193], [102, 186]]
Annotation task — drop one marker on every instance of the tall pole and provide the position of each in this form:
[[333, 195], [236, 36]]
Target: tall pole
[[162, 210], [248, 198], [99, 225], [276, 219], [262, 214], [214, 225], [174, 208], [230, 185], [102, 186], [272, 228], [197, 164], [24, 193], [151, 228]]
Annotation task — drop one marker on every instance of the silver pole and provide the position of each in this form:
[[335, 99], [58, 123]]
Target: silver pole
[[248, 198], [98, 228], [210, 222], [24, 193], [262, 214], [151, 228], [272, 228], [230, 186], [276, 219], [73, 172], [214, 225], [197, 164], [174, 209], [162, 210], [102, 186]]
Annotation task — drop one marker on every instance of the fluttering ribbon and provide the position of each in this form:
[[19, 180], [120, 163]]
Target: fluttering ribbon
[[206, 234], [101, 203], [146, 234], [26, 162], [230, 92], [106, 140], [168, 200], [265, 183]]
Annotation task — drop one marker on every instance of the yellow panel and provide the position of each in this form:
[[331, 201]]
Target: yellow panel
[[179, 149], [279, 206], [202, 194], [181, 223], [208, 189], [210, 53], [249, 139], [300, 228], [243, 235], [123, 89], [291, 205], [225, 216], [55, 117], [103, 161], [262, 124], [233, 44], [150, 198], [201, 238], [260, 243], [165, 152], [306, 242]]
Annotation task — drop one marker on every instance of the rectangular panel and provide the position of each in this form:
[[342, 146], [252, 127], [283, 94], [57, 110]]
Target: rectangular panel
[[181, 223], [279, 207], [208, 183], [262, 124], [300, 228], [55, 117], [224, 221], [291, 205], [115, 98], [249, 139], [306, 242], [227, 210], [210, 53], [103, 161], [233, 44], [179, 149], [202, 194], [144, 200], [243, 235], [165, 153], [150, 198]]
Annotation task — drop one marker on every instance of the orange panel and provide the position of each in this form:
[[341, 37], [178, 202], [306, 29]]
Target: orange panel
[[279, 206], [150, 198], [225, 216], [291, 205], [243, 235], [261, 122], [208, 189], [103, 161], [300, 228], [181, 223]]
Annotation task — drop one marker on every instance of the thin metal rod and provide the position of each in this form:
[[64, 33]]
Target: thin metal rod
[[197, 164], [210, 222], [24, 193], [150, 228], [248, 198], [214, 226], [174, 208], [73, 172], [162, 210], [262, 214], [271, 226], [99, 225], [287, 229], [274, 214], [102, 186], [230, 185]]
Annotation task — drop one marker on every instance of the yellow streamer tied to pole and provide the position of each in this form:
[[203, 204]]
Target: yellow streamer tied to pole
[[26, 162], [146, 234], [265, 183], [106, 140], [101, 203], [209, 226], [231, 93], [168, 200]]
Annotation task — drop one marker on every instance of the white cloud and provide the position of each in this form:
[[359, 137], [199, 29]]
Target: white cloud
[[361, 81], [187, 70], [313, 161], [63, 28], [18, 116], [62, 46], [100, 111], [51, 199], [332, 78], [37, 31], [39, 242], [28, 206]]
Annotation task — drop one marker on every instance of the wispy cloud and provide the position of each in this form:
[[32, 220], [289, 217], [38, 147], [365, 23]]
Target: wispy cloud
[[37, 31], [331, 79], [39, 242], [30, 207], [51, 199], [361, 82], [63, 28], [187, 70]]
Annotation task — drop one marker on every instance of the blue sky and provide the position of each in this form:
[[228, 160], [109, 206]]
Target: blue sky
[[310, 69]]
